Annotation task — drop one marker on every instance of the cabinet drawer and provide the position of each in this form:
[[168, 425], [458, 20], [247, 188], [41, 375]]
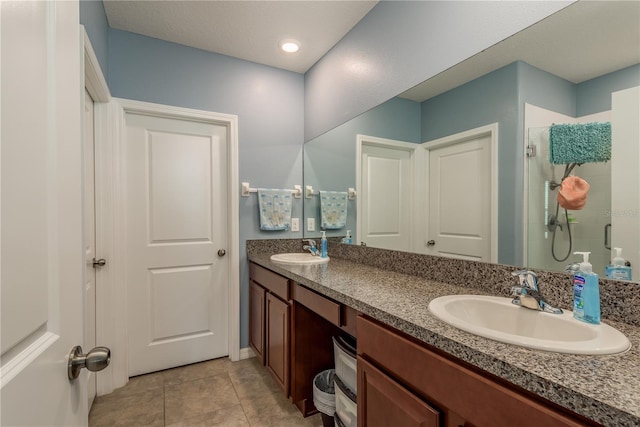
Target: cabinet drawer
[[447, 383], [271, 281], [384, 402], [326, 308]]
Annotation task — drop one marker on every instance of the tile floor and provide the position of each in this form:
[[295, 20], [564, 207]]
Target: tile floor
[[213, 393]]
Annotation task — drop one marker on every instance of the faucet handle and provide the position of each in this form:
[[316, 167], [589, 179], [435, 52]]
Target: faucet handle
[[527, 279], [311, 242]]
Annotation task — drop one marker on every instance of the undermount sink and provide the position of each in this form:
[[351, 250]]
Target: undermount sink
[[299, 258], [498, 319]]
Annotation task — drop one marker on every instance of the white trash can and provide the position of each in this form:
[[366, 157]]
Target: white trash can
[[324, 397]]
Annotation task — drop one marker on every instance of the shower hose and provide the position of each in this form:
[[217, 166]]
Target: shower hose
[[553, 238]]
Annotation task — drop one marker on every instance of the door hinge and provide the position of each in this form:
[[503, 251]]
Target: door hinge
[[531, 150]]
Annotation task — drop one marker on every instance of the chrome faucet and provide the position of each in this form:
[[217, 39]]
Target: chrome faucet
[[527, 293], [310, 246]]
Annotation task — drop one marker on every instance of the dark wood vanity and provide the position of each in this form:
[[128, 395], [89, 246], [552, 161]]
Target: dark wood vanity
[[291, 329], [401, 381]]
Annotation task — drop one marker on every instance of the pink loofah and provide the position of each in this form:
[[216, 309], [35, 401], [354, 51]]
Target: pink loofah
[[573, 193]]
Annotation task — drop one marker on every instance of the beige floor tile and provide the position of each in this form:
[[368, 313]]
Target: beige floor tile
[[196, 371], [212, 393], [252, 383], [189, 399], [228, 417], [295, 420], [139, 384], [267, 406], [252, 363], [141, 409]]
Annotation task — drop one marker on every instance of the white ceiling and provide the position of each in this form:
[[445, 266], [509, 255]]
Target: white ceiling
[[249, 30]]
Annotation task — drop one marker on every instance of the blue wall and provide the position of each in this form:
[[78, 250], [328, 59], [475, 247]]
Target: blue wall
[[268, 102], [329, 160], [94, 19], [500, 97], [375, 61], [594, 96], [488, 99]]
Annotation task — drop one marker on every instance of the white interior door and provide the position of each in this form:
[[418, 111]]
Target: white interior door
[[386, 187], [89, 240], [177, 279], [41, 214], [460, 200]]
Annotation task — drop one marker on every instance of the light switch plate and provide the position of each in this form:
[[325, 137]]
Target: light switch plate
[[295, 224], [311, 224]]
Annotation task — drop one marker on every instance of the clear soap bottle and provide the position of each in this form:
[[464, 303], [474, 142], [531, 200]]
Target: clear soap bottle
[[323, 245]]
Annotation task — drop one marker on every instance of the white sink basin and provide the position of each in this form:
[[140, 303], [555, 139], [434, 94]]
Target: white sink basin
[[299, 258], [496, 318]]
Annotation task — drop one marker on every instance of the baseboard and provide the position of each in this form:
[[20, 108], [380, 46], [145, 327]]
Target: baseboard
[[246, 353]]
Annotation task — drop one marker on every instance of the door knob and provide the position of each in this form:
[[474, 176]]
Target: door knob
[[431, 242], [221, 252], [99, 262], [96, 360]]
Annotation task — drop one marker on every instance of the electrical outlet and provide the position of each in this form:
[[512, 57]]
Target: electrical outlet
[[311, 224], [295, 224]]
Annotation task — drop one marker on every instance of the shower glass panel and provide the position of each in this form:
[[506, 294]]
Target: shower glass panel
[[586, 226]]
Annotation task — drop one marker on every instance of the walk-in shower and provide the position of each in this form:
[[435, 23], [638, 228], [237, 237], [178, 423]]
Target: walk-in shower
[[554, 233]]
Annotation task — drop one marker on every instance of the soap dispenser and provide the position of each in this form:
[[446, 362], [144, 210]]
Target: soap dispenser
[[618, 269], [323, 245], [586, 292], [347, 239]]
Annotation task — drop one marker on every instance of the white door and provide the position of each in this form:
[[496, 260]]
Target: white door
[[41, 214], [177, 279], [625, 176], [89, 240], [386, 186], [460, 200]]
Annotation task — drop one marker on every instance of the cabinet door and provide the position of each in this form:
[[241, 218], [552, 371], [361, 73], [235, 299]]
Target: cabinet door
[[256, 320], [383, 402], [278, 324]]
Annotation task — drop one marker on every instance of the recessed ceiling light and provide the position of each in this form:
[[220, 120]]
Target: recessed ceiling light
[[290, 45]]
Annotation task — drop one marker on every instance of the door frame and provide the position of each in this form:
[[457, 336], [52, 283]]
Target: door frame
[[413, 149], [111, 313], [96, 85], [120, 107], [490, 130]]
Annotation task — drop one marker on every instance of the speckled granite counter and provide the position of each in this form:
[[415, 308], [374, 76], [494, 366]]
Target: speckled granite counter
[[605, 389]]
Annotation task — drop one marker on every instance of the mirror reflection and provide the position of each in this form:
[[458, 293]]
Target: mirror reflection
[[500, 103]]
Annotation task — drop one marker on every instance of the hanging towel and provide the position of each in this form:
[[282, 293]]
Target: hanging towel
[[580, 143], [573, 193], [333, 209], [275, 209]]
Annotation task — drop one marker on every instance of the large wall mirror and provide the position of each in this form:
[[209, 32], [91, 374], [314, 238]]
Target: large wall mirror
[[415, 159]]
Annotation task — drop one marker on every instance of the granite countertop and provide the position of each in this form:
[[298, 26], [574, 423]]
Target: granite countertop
[[605, 389]]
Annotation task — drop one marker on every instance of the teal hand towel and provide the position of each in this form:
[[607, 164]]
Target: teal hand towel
[[333, 209], [580, 143], [275, 209]]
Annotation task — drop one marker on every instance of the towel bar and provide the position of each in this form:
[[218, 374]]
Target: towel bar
[[308, 192], [246, 190]]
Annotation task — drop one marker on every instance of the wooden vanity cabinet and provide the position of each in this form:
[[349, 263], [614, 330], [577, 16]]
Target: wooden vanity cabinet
[[278, 341], [412, 384], [270, 322], [257, 295]]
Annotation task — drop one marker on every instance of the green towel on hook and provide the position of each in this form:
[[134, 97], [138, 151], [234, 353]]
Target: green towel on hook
[[580, 143]]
